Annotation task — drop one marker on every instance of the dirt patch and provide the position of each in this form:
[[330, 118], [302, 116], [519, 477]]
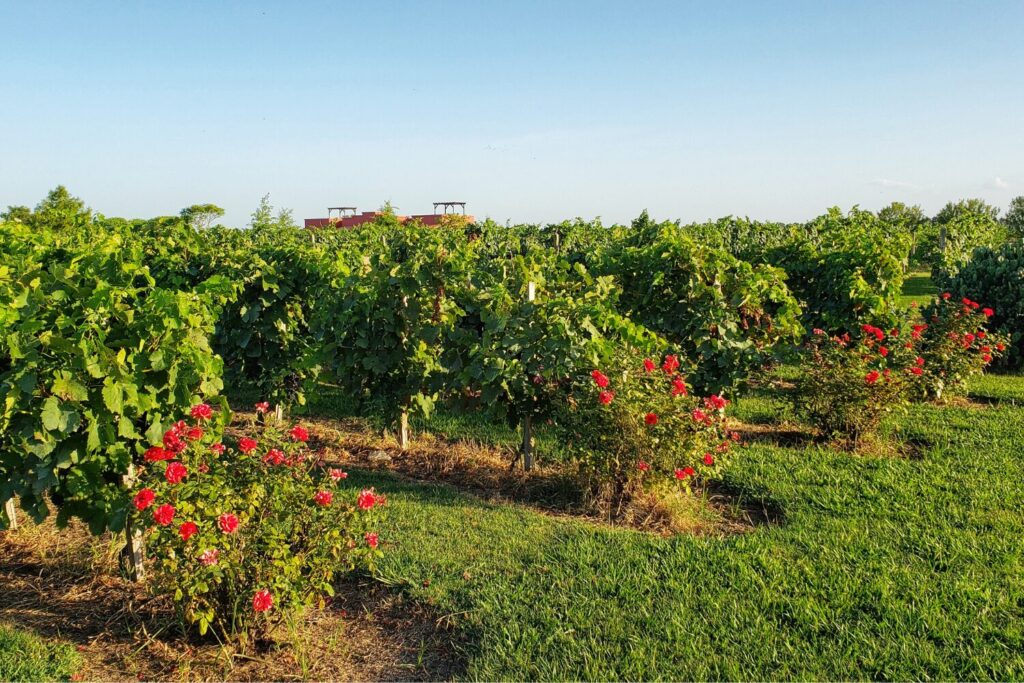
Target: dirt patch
[[496, 475], [63, 585]]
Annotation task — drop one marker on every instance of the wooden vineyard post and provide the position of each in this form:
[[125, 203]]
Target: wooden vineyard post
[[527, 447], [279, 412], [133, 552], [942, 239], [403, 430], [403, 418], [12, 520]]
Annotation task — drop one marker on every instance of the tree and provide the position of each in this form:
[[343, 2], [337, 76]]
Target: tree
[[1014, 219], [975, 208], [263, 218], [903, 216], [17, 214], [201, 216], [58, 211], [963, 227], [909, 220]]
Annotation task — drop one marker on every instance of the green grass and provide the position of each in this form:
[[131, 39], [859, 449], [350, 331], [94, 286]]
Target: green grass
[[918, 288], [881, 568], [26, 657]]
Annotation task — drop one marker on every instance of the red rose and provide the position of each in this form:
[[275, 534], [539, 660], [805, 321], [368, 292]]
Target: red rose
[[274, 457], [201, 411], [194, 433], [156, 453], [699, 415], [164, 514], [217, 448], [187, 529], [209, 557], [670, 365], [988, 312], [175, 472], [919, 361], [715, 402], [228, 523], [684, 473], [371, 540], [600, 379], [916, 371], [872, 377], [337, 474], [650, 419], [299, 433], [946, 295], [883, 351], [678, 387], [367, 499], [262, 601], [605, 397], [709, 459], [987, 358], [643, 466], [981, 334], [247, 445], [144, 498], [173, 442], [1001, 346], [648, 365], [262, 407], [323, 498]]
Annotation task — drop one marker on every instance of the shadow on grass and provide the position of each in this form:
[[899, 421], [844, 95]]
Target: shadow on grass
[[752, 508], [782, 436]]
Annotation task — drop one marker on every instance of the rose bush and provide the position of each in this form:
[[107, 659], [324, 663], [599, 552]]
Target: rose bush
[[243, 535], [639, 427], [851, 382], [996, 276], [955, 345]]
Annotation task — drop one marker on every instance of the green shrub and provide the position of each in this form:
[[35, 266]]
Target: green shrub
[[954, 346], [731, 317], [996, 277], [520, 354], [94, 360], [846, 270], [243, 537], [850, 382], [383, 324], [635, 426]]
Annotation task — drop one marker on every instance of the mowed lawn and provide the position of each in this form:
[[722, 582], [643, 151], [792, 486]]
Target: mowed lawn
[[881, 568]]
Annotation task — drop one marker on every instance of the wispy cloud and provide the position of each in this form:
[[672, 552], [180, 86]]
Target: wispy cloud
[[998, 183], [894, 184]]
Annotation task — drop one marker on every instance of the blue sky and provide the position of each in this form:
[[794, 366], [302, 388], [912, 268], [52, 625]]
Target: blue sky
[[529, 111]]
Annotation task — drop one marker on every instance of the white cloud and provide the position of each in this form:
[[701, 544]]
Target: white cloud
[[894, 184], [998, 183]]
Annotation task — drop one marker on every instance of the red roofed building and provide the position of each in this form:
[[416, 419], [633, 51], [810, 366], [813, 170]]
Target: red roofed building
[[346, 216]]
